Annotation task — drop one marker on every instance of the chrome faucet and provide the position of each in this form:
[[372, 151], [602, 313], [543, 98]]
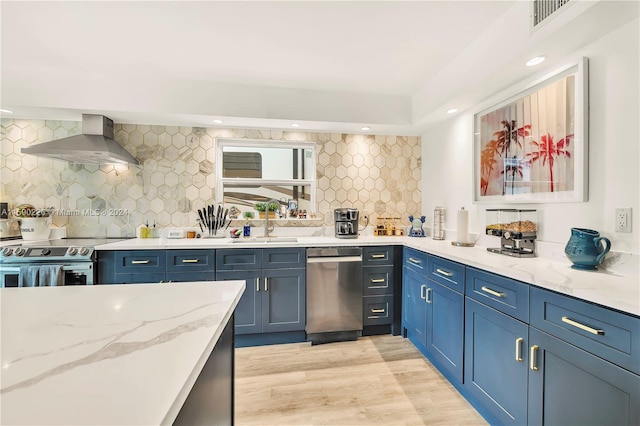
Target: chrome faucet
[[266, 220]]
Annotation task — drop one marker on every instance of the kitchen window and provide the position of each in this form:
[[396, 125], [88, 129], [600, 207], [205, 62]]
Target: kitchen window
[[253, 170]]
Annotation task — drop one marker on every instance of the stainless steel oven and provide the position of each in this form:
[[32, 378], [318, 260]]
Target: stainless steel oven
[[75, 256]]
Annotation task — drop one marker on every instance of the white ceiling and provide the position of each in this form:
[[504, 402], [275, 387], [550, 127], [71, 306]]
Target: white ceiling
[[331, 66]]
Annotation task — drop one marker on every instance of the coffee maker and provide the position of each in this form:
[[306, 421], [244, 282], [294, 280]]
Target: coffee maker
[[346, 222]]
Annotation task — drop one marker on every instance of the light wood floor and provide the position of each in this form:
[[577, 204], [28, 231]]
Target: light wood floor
[[380, 380]]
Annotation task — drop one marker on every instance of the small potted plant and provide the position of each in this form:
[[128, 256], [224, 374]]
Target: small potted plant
[[261, 207]]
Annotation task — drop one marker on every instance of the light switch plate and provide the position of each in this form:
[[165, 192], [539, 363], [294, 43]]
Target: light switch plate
[[623, 220]]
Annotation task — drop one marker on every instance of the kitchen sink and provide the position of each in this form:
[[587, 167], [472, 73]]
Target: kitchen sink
[[265, 240]]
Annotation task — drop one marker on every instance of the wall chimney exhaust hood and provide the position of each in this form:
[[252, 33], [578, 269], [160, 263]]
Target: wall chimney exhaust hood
[[94, 146]]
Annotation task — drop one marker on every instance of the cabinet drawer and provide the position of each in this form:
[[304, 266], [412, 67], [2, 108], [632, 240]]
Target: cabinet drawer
[[190, 260], [377, 256], [143, 278], [180, 277], [503, 294], [603, 332], [278, 258], [136, 261], [415, 260], [377, 280], [377, 310], [446, 272], [232, 259]]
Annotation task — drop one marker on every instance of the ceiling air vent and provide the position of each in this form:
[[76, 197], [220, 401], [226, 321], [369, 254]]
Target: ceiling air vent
[[543, 9]]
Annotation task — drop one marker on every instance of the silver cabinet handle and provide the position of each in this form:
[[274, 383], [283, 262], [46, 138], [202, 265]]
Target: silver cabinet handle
[[427, 297], [257, 284], [377, 256], [422, 287], [377, 311], [519, 341], [140, 262], [266, 284], [492, 292], [377, 280], [416, 261], [443, 272], [583, 327], [532, 362], [190, 260]]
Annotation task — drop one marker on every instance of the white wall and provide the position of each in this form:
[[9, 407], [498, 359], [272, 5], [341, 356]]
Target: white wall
[[614, 153]]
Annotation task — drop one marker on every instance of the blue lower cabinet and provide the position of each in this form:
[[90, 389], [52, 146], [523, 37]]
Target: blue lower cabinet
[[445, 328], [414, 307], [496, 363], [140, 278], [248, 313], [568, 386], [273, 300], [284, 300]]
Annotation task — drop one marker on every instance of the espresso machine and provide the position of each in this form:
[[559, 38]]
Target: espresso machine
[[346, 222]]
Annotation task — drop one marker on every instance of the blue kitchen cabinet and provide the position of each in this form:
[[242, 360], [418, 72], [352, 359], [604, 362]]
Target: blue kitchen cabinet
[[433, 310], [495, 363], [248, 313], [569, 386], [414, 308], [275, 296], [155, 266], [378, 288], [445, 328], [284, 300]]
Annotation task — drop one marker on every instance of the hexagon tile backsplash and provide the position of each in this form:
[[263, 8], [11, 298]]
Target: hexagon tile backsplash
[[380, 175]]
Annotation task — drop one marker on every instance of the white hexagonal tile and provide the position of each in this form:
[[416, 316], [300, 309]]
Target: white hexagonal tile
[[156, 205], [192, 167], [142, 205], [45, 134], [13, 133], [341, 171], [13, 162], [135, 192], [199, 154], [192, 192]]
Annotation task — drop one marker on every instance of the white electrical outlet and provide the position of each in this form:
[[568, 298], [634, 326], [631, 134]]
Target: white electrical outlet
[[623, 220]]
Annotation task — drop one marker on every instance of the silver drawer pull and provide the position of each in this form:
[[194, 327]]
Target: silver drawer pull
[[416, 261], [378, 256], [377, 280], [443, 272], [519, 341], [139, 262], [190, 260], [422, 287], [257, 284], [377, 311], [427, 295], [492, 292], [583, 327]]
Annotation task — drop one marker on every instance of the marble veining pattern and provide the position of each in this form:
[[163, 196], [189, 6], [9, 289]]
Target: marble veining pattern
[[118, 354]]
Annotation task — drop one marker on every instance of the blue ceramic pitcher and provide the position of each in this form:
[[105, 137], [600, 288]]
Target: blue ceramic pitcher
[[586, 248]]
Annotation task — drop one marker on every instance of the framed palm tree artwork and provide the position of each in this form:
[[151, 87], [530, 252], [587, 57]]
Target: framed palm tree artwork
[[532, 147]]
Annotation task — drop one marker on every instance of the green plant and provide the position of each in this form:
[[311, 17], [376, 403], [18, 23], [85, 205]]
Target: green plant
[[247, 215], [261, 206]]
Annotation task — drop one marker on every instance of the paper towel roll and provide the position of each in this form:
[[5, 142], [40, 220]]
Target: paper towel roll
[[463, 226]]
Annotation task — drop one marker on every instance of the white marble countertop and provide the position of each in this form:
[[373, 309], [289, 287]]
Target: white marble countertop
[[112, 354], [617, 286]]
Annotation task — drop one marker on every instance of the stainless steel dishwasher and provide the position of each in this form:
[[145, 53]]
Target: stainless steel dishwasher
[[334, 294]]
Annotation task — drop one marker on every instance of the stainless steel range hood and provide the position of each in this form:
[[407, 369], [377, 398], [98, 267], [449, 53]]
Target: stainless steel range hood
[[94, 146]]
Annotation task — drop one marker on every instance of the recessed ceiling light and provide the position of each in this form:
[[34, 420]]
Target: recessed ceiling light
[[365, 128], [452, 110], [295, 125], [8, 111], [218, 121], [535, 61]]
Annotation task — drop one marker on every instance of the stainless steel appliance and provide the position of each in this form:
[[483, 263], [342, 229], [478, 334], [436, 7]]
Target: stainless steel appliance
[[346, 222], [76, 256], [334, 294], [9, 229]]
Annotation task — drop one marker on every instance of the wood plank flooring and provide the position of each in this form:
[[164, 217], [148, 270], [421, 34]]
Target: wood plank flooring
[[380, 380]]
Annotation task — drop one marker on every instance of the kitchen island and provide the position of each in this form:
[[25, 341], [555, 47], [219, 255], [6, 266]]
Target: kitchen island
[[118, 355]]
